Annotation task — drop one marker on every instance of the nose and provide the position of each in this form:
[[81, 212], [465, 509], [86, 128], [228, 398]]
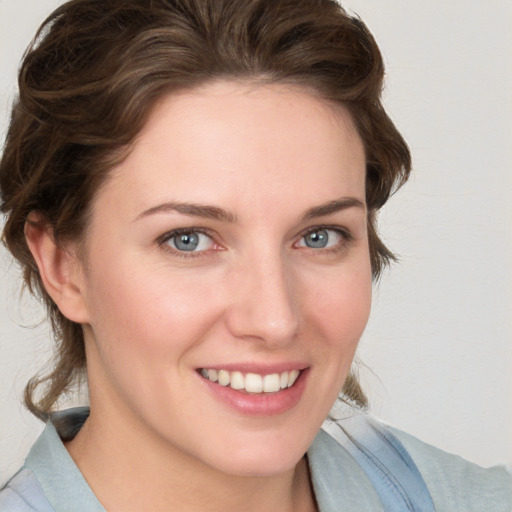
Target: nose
[[264, 306]]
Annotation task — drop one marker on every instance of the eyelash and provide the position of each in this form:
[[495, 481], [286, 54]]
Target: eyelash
[[346, 239], [162, 242]]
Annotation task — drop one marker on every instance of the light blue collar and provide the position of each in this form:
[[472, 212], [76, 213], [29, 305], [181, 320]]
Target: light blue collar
[[60, 478], [355, 464]]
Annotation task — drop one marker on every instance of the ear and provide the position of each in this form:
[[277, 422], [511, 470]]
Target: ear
[[59, 267]]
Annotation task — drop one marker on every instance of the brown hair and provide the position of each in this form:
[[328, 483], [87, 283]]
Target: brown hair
[[95, 69]]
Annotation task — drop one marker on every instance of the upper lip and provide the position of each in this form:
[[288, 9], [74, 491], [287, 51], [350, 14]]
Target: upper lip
[[260, 369]]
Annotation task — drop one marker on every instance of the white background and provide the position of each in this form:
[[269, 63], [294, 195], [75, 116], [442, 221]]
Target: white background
[[438, 349]]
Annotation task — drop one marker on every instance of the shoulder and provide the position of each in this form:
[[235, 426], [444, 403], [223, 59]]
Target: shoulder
[[456, 484], [50, 480], [23, 493], [406, 473]]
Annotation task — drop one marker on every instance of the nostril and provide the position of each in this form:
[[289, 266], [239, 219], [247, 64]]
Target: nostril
[[263, 306]]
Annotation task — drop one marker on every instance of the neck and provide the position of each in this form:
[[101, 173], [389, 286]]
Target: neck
[[129, 470]]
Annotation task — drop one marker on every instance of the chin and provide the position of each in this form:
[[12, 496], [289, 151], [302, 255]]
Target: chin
[[259, 467], [260, 458]]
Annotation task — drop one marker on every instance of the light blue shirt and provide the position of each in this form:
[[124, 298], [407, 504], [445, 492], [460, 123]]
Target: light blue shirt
[[357, 464]]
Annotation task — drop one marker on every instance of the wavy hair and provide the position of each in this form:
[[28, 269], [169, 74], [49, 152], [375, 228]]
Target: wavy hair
[[88, 82]]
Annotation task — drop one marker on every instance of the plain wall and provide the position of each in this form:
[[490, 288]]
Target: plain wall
[[437, 352]]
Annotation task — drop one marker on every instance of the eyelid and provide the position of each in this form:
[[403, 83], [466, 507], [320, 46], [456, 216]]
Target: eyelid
[[344, 232], [182, 231], [163, 239], [346, 236]]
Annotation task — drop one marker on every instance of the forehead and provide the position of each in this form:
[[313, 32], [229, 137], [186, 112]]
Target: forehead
[[238, 139]]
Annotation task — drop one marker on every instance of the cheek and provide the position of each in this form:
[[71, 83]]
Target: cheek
[[341, 306], [148, 312], [145, 324]]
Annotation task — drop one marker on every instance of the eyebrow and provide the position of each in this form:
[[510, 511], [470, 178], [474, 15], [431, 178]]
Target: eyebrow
[[335, 206], [219, 214], [197, 210]]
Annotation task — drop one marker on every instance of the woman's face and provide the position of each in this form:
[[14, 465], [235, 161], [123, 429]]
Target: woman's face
[[229, 253]]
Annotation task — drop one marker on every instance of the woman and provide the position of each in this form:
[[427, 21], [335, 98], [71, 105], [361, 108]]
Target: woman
[[191, 186]]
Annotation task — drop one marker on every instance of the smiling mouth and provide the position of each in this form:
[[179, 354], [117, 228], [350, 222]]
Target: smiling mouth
[[252, 383]]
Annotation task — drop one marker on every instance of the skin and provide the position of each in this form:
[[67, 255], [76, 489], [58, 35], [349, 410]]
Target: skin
[[254, 293]]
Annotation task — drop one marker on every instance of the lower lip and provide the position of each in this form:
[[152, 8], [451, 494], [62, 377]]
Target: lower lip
[[261, 404]]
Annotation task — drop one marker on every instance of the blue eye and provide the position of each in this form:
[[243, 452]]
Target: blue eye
[[321, 238], [189, 241], [317, 239]]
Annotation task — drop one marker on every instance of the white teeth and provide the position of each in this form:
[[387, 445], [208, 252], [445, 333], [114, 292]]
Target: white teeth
[[224, 378], [271, 383], [252, 382], [212, 375], [237, 380], [292, 377]]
